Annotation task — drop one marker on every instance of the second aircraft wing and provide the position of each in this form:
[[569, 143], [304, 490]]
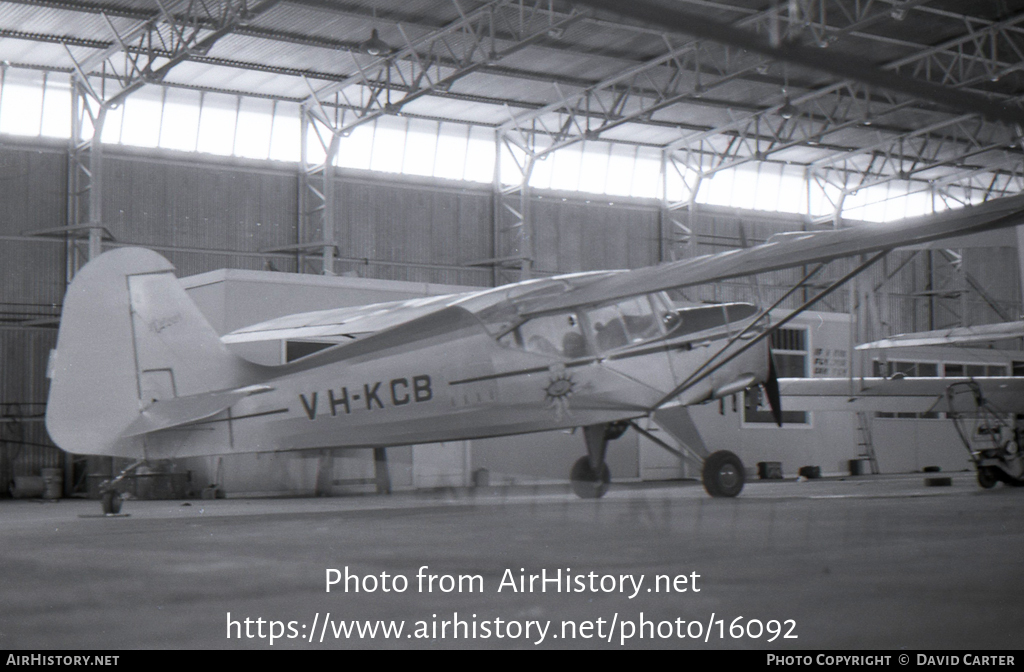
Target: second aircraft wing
[[901, 395]]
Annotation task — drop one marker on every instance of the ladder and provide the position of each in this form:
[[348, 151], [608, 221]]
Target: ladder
[[866, 445]]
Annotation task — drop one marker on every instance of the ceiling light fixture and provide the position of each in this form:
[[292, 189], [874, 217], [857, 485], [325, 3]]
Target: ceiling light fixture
[[788, 109], [375, 46]]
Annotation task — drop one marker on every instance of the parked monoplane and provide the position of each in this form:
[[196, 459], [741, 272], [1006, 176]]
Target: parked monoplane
[[139, 373]]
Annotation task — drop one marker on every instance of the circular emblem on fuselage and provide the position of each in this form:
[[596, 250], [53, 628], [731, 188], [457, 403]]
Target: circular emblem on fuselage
[[560, 386], [558, 390]]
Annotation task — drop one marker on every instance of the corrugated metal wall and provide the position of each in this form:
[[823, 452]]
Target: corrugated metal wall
[[581, 235], [405, 221], [200, 205], [219, 213], [25, 447], [32, 186], [32, 197]]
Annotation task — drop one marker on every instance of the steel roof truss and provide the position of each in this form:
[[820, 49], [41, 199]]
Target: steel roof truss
[[433, 62]]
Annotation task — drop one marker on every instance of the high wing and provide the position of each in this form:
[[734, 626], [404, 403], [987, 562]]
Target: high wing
[[900, 395], [355, 322], [791, 250], [520, 301], [952, 336], [338, 324]]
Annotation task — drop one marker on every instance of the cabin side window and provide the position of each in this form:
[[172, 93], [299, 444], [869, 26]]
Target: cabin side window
[[623, 323], [701, 319], [556, 335], [693, 319]]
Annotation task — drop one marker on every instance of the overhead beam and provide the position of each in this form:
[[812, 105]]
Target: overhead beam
[[853, 17], [425, 64], [841, 65], [954, 59], [960, 62], [175, 31], [768, 140], [686, 72], [417, 67]]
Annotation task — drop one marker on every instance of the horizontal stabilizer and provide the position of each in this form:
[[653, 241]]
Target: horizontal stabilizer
[[167, 413]]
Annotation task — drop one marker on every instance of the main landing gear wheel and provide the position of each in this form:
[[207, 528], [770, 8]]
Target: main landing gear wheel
[[111, 502], [723, 474], [987, 477], [587, 483]]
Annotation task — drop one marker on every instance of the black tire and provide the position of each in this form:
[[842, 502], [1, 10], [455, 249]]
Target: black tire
[[587, 483], [615, 430], [987, 477], [111, 502], [1008, 480], [723, 474]]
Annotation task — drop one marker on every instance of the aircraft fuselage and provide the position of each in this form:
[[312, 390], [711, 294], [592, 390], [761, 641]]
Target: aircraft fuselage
[[444, 377]]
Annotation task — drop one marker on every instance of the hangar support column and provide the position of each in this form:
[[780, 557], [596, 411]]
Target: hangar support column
[[100, 84], [513, 226], [397, 72], [317, 204], [103, 81], [678, 179], [85, 173]]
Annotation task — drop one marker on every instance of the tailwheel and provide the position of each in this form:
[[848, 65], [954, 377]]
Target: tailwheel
[[723, 474], [587, 482], [987, 477], [109, 496], [111, 502]]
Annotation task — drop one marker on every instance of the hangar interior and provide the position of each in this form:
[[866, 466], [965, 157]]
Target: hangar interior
[[339, 152]]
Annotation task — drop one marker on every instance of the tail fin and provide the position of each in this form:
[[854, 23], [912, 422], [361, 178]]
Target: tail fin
[[129, 337]]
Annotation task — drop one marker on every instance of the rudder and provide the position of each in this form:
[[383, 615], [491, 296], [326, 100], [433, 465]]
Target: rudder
[[129, 336]]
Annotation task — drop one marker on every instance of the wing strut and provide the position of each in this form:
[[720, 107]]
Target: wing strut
[[704, 371], [681, 454], [701, 369]]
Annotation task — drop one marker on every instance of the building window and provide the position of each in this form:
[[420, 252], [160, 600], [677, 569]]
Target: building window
[[978, 370], [907, 369], [624, 323], [931, 369]]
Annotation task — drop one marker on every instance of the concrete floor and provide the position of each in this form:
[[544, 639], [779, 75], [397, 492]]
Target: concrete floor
[[860, 563]]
